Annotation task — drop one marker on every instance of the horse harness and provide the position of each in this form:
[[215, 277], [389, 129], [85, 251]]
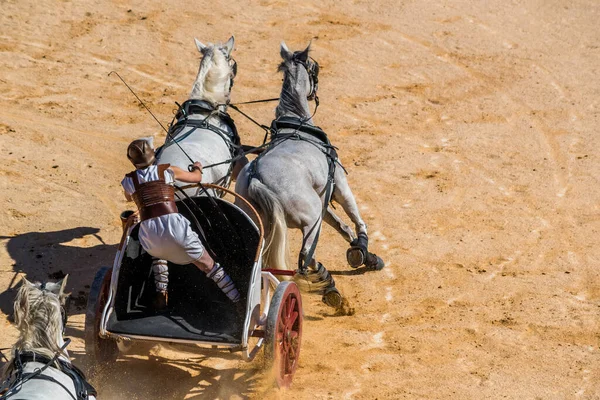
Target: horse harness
[[193, 106], [319, 139], [153, 198], [83, 389]]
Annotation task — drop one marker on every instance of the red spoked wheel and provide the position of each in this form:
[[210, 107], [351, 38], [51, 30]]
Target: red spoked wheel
[[284, 332], [99, 349]]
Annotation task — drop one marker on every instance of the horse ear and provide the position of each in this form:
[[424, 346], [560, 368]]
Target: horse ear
[[285, 53], [200, 45], [303, 56], [63, 285], [229, 45]]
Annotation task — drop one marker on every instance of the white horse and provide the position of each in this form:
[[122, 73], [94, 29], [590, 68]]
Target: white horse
[[40, 368], [292, 182], [204, 131]]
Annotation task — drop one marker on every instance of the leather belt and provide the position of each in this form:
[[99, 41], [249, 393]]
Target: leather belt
[[156, 210]]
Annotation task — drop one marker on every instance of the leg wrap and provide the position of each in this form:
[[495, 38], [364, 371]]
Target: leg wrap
[[358, 251], [362, 241], [161, 274], [319, 280], [326, 284], [224, 282]]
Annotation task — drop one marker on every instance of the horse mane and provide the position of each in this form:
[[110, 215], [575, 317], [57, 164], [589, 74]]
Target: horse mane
[[213, 75], [38, 318], [291, 100]]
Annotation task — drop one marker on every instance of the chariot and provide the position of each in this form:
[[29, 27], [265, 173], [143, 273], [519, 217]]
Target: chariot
[[120, 312]]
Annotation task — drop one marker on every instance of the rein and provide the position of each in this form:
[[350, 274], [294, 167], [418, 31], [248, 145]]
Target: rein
[[257, 101], [268, 130], [193, 215], [264, 127], [248, 150], [200, 230]]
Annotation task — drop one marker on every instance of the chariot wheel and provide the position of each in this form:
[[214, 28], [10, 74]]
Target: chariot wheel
[[99, 349], [284, 332]]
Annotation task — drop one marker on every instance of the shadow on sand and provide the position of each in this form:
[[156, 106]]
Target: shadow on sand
[[156, 377], [44, 256], [358, 271]]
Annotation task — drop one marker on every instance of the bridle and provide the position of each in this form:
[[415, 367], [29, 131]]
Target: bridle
[[233, 66], [312, 68], [64, 315]]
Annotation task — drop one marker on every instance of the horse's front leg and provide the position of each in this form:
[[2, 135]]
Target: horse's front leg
[[332, 219], [358, 254]]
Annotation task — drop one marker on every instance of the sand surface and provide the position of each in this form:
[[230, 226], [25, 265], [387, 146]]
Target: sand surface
[[470, 132]]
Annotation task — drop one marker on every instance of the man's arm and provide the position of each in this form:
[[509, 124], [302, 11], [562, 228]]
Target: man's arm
[[188, 177]]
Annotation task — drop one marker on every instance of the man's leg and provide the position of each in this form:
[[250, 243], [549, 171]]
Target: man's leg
[[215, 272], [161, 280]]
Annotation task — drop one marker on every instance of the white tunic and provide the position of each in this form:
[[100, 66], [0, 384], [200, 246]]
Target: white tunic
[[168, 237]]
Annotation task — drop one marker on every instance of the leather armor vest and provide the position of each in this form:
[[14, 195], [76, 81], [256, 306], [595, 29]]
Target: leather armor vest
[[154, 198]]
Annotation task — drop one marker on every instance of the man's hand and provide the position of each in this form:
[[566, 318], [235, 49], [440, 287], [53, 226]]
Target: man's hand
[[196, 166]]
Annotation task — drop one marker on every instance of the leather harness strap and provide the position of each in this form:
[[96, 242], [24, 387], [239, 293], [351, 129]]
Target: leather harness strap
[[154, 198], [293, 123], [83, 389], [194, 106]]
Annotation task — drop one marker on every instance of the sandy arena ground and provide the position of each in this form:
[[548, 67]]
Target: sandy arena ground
[[469, 130]]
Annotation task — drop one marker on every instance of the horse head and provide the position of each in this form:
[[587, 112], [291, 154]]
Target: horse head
[[40, 315], [300, 82], [216, 73], [41, 318]]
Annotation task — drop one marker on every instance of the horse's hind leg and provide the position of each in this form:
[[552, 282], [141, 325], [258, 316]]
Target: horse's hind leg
[[358, 254], [319, 280]]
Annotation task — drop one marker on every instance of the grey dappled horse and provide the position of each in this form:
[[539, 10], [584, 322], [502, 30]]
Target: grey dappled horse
[[41, 368], [288, 182], [204, 130]]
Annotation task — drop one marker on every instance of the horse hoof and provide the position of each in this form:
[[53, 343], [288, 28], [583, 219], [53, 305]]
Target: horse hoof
[[355, 257], [374, 262], [332, 298]]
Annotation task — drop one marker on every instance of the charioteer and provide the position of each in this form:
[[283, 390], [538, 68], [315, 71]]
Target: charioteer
[[164, 233]]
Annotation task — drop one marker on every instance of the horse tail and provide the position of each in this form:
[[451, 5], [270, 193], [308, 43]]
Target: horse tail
[[276, 252]]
